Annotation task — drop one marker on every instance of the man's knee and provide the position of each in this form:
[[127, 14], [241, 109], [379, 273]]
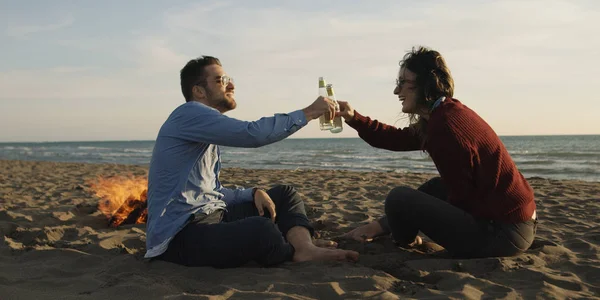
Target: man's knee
[[283, 189], [269, 247], [284, 193], [265, 230]]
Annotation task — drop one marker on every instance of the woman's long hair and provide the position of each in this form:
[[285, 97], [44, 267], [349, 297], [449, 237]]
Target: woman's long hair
[[433, 81]]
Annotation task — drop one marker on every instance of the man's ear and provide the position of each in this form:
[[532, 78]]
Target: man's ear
[[199, 92]]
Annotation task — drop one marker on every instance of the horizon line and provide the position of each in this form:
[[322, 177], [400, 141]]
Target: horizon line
[[291, 138]]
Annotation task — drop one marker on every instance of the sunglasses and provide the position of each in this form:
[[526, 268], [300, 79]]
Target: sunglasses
[[400, 82], [224, 80]]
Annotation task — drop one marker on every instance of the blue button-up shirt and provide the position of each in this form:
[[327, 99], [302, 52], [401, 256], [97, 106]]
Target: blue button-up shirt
[[184, 170]]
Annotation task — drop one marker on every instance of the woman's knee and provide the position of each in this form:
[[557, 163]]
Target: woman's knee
[[397, 198], [435, 187], [435, 182]]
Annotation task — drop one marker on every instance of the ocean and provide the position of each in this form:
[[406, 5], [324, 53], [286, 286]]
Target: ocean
[[554, 157]]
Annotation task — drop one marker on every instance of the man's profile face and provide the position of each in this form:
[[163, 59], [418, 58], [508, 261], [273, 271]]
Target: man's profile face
[[219, 95]]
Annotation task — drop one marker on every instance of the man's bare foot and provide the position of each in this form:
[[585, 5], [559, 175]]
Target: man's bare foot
[[314, 253], [325, 243]]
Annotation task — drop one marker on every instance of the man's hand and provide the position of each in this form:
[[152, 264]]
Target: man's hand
[[262, 201], [321, 106], [365, 233], [346, 111]]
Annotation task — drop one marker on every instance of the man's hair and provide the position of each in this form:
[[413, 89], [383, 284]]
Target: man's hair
[[433, 81], [193, 74]]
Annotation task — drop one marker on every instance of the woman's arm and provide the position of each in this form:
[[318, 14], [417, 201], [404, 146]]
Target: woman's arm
[[378, 134]]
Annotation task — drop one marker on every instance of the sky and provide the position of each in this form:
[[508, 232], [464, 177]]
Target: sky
[[109, 70]]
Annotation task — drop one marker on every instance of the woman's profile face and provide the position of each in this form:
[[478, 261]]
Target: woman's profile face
[[406, 90]]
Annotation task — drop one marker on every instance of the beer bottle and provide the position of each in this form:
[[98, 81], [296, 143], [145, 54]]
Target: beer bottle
[[324, 122], [337, 121]]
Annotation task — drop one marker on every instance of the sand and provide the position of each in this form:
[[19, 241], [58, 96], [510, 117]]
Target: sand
[[55, 244]]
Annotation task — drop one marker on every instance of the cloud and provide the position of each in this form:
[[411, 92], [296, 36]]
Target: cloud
[[153, 54], [69, 70], [508, 41], [518, 51], [68, 83], [22, 31], [151, 72], [522, 56], [274, 36]]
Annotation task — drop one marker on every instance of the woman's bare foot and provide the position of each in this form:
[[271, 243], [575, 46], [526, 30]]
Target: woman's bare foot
[[365, 233], [325, 243], [418, 241], [314, 253]]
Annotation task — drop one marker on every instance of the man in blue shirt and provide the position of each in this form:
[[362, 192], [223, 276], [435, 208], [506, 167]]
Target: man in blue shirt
[[192, 219]]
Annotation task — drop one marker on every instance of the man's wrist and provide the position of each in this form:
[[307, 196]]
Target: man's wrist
[[309, 114]]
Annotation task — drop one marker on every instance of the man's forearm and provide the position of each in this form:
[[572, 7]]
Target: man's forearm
[[310, 114], [204, 125]]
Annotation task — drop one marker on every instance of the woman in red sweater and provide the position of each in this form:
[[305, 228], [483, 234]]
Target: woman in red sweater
[[481, 205]]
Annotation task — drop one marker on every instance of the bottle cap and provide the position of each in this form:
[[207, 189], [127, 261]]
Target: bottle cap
[[321, 82], [330, 90]]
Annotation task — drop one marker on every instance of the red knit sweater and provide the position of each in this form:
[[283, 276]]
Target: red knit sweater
[[480, 175]]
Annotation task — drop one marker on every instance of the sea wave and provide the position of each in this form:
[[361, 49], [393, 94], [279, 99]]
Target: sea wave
[[138, 150], [117, 154], [562, 154], [554, 157], [93, 148], [536, 162]]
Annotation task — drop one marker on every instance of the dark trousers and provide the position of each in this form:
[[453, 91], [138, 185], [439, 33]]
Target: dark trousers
[[409, 211], [226, 239]]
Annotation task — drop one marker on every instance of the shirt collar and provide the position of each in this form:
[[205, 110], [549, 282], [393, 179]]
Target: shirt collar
[[438, 102]]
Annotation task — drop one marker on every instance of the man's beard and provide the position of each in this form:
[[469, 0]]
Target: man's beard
[[225, 104], [222, 104]]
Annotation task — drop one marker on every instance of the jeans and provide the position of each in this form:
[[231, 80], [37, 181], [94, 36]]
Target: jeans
[[226, 239], [409, 211]]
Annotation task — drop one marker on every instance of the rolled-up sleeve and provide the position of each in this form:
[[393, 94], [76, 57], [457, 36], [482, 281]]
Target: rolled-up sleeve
[[236, 196]]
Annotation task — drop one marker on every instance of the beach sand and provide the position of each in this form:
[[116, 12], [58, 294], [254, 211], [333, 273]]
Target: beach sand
[[57, 245]]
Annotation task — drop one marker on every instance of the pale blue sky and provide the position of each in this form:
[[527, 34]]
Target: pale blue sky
[[109, 70]]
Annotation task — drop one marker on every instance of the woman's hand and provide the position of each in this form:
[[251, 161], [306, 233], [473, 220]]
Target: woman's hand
[[346, 111], [365, 233]]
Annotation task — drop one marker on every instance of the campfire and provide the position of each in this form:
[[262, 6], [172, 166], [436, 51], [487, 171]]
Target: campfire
[[122, 199]]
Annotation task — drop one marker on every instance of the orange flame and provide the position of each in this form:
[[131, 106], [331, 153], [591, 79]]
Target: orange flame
[[122, 198]]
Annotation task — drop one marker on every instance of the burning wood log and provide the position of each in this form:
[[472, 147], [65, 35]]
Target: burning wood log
[[130, 211], [123, 200], [143, 218]]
